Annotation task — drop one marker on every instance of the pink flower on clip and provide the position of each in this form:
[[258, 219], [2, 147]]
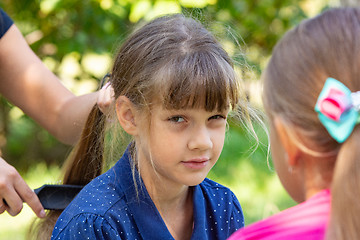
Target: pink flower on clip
[[334, 104]]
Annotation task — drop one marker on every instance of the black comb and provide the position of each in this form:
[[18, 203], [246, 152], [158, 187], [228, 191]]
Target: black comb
[[57, 197]]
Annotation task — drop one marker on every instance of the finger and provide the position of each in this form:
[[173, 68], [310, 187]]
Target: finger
[[28, 196], [2, 206], [105, 98], [12, 202], [109, 96], [106, 85], [101, 101]]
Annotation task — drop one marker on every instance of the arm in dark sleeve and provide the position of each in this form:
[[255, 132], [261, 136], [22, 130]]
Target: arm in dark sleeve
[[5, 22]]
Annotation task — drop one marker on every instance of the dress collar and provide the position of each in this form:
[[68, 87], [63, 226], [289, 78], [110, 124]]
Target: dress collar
[[143, 209]]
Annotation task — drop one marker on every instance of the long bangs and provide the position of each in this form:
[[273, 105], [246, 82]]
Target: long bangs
[[200, 80]]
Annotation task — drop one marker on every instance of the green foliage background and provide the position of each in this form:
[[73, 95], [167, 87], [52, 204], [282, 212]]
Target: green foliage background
[[77, 39]]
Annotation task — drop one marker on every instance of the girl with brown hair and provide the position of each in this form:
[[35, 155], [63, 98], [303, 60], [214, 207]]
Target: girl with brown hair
[[174, 88], [311, 96]]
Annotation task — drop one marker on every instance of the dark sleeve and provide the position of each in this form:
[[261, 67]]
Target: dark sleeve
[[84, 226], [5, 22]]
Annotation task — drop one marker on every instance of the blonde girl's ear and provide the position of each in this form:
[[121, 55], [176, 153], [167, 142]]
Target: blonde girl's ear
[[287, 141], [126, 115]]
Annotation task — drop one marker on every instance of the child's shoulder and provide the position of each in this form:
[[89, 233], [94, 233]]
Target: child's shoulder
[[222, 206], [97, 204], [98, 197], [209, 185], [216, 192]]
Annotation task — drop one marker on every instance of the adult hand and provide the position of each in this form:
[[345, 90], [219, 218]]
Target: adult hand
[[15, 191], [105, 98]]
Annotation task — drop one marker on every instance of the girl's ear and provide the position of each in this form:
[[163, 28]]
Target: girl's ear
[[291, 148], [126, 114]]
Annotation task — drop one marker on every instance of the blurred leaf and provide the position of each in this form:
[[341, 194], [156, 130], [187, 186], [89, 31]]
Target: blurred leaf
[[139, 9], [196, 4]]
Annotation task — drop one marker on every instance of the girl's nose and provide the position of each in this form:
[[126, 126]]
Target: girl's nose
[[200, 139]]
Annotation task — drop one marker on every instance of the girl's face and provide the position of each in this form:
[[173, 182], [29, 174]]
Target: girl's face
[[183, 145]]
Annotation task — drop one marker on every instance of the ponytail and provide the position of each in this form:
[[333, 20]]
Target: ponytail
[[84, 164], [345, 191], [86, 161]]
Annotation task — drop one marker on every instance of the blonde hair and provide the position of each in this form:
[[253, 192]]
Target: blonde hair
[[325, 46], [172, 60]]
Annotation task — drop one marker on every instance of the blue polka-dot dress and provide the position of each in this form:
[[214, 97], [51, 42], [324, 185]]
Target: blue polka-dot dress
[[109, 208]]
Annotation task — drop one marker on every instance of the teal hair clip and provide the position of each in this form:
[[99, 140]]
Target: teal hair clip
[[338, 109]]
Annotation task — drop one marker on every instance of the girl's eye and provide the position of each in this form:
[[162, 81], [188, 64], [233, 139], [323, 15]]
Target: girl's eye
[[177, 119], [217, 117]]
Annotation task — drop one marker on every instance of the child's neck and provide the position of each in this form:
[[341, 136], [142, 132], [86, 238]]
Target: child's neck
[[175, 205], [177, 214]]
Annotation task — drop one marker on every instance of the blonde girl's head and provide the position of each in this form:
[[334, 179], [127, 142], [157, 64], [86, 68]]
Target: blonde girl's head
[[325, 46]]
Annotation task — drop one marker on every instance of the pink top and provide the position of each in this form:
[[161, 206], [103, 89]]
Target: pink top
[[307, 220]]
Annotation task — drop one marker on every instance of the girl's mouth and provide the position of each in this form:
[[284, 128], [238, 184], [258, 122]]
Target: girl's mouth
[[196, 163]]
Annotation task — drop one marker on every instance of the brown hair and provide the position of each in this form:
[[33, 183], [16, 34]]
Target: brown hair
[[172, 60], [325, 46]]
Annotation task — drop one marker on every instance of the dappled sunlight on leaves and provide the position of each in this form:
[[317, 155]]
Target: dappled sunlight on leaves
[[70, 66], [96, 64], [139, 10], [47, 6], [197, 3]]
